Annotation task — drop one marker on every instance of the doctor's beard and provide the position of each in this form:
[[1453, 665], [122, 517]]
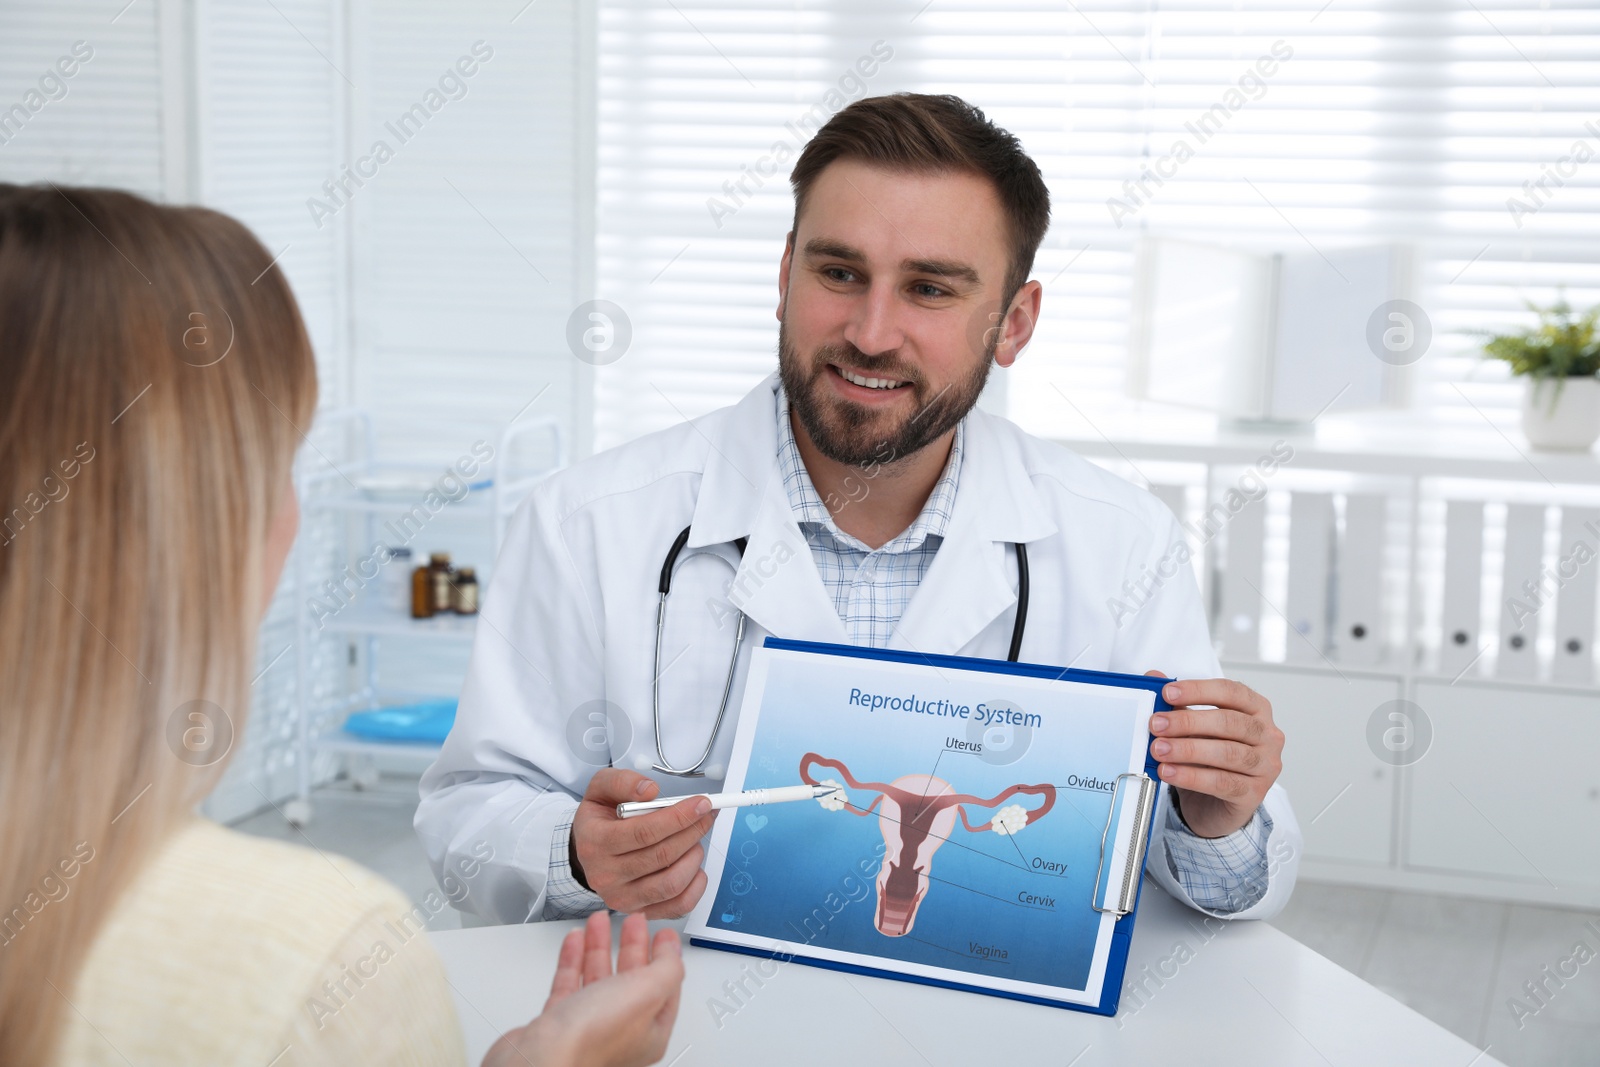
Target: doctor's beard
[[855, 435]]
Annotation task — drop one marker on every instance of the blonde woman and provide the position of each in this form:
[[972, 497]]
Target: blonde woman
[[155, 378]]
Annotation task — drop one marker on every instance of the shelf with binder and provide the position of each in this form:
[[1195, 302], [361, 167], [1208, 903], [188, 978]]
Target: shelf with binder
[[359, 605], [1421, 609]]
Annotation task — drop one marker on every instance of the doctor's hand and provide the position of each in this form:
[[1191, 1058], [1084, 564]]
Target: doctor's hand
[[598, 1019], [1220, 760], [648, 864]]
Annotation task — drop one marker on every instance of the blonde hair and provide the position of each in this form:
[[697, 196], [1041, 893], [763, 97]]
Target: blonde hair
[[154, 377]]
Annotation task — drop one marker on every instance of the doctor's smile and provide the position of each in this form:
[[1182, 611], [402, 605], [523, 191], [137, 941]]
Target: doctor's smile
[[864, 382]]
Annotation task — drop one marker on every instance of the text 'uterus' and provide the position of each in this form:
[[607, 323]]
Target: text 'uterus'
[[917, 813]]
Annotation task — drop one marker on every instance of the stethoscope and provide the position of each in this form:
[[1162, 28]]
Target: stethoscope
[[665, 587]]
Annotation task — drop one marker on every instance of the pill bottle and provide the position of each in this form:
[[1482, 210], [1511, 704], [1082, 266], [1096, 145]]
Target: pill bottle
[[465, 599], [439, 571], [421, 593]]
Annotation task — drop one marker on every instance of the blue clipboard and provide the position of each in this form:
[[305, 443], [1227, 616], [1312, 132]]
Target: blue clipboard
[[1127, 882]]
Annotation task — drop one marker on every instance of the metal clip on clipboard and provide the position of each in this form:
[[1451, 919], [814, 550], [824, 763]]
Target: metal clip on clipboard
[[1141, 793]]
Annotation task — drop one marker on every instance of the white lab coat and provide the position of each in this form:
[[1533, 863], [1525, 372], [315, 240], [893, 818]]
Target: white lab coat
[[569, 622]]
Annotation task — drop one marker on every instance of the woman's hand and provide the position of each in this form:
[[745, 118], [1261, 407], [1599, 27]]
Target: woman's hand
[[598, 1019]]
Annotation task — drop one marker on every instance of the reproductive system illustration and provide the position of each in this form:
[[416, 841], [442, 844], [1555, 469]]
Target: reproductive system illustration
[[917, 813]]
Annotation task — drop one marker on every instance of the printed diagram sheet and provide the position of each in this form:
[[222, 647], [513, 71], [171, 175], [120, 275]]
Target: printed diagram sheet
[[963, 842]]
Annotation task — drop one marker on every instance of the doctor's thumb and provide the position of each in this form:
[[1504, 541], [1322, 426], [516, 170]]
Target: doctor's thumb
[[613, 785]]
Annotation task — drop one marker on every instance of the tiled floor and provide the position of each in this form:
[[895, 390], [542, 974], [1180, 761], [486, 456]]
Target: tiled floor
[[1458, 962], [372, 827]]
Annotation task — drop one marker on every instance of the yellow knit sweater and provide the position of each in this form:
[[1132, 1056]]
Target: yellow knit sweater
[[229, 949]]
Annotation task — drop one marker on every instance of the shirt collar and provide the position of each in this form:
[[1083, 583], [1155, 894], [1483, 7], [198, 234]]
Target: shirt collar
[[808, 507]]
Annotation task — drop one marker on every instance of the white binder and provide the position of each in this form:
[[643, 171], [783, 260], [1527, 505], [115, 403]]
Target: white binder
[[1239, 616], [1359, 632], [1310, 573], [1460, 615], [1576, 569], [1521, 602], [1175, 497]]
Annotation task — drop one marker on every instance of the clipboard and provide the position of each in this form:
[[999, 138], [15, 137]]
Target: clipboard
[[1056, 903]]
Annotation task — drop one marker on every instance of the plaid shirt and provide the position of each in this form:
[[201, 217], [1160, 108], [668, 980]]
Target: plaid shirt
[[870, 590], [870, 587]]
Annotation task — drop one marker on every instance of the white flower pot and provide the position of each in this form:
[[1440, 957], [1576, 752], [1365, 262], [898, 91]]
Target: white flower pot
[[1572, 423]]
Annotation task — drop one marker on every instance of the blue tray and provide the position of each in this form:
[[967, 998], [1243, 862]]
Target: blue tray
[[428, 720]]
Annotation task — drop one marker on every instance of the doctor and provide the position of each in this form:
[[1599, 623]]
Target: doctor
[[857, 496]]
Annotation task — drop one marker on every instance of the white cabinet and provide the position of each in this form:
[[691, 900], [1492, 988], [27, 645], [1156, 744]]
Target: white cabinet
[[1510, 787], [1343, 795]]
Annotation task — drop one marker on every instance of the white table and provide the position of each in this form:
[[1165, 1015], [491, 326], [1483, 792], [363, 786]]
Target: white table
[[1246, 994]]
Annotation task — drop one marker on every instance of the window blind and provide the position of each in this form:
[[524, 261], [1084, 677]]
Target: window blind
[[268, 98], [99, 124], [468, 252], [1462, 127]]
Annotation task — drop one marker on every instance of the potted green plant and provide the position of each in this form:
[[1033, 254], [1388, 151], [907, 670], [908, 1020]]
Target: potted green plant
[[1559, 359]]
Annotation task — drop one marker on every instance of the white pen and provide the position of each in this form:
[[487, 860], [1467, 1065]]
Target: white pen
[[779, 795]]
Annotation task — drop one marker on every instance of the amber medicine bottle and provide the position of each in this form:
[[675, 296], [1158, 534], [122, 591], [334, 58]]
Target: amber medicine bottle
[[421, 593]]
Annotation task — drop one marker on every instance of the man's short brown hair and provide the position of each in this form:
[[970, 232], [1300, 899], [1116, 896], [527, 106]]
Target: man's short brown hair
[[927, 133]]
